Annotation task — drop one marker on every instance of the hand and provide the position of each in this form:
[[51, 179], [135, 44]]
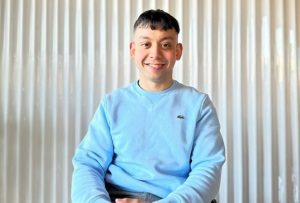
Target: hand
[[128, 200]]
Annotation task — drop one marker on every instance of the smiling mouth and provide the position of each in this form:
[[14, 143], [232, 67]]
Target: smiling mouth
[[155, 66]]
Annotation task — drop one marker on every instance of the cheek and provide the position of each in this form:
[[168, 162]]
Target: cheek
[[139, 57], [171, 56]]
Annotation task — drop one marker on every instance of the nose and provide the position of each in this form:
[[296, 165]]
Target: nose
[[155, 51]]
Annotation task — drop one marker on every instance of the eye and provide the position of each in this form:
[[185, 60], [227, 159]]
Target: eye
[[145, 44], [166, 45]]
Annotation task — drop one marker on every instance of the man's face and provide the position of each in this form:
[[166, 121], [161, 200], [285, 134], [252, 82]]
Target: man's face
[[155, 53]]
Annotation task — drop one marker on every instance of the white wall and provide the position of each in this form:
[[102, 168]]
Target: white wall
[[58, 58]]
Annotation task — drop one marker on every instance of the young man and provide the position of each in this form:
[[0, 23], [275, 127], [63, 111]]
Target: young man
[[155, 140]]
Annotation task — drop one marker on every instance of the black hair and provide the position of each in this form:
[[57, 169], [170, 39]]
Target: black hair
[[157, 19]]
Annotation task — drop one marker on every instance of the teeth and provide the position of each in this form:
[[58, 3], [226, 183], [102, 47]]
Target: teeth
[[148, 64]]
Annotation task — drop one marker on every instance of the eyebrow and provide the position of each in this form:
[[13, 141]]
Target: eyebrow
[[165, 38]]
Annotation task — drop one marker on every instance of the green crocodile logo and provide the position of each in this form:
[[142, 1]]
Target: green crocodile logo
[[180, 117]]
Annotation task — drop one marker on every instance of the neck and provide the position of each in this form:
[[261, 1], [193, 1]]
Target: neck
[[153, 86]]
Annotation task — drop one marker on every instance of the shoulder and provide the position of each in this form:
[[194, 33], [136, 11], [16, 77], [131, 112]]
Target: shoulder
[[123, 95], [121, 92], [190, 92], [193, 97]]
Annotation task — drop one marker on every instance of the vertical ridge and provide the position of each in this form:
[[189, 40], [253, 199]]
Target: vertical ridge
[[56, 61], [18, 99], [31, 74], [5, 59]]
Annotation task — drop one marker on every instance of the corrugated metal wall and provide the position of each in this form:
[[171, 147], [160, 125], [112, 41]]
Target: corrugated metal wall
[[58, 58]]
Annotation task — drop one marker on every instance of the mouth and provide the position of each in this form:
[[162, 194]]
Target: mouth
[[155, 66]]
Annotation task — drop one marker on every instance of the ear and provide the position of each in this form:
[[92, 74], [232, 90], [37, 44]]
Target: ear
[[179, 49], [132, 49]]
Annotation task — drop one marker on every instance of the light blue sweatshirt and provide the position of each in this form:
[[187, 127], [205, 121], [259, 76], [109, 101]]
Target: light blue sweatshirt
[[166, 143]]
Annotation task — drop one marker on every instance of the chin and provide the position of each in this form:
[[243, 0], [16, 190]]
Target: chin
[[159, 80]]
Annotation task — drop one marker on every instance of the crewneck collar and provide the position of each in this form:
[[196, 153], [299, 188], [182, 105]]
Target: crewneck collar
[[154, 96], [144, 92]]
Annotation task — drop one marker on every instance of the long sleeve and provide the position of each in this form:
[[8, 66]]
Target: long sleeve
[[91, 161], [207, 158], [168, 144]]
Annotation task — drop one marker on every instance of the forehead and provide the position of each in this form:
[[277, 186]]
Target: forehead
[[148, 33]]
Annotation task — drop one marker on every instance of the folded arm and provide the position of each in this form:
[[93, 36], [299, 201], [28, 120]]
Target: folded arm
[[208, 156], [91, 161]]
